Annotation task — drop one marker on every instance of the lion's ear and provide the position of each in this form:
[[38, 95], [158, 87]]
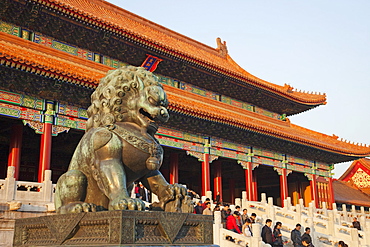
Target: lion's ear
[[101, 138]]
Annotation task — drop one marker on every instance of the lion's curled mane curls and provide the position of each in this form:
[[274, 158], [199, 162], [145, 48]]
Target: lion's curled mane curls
[[111, 101]]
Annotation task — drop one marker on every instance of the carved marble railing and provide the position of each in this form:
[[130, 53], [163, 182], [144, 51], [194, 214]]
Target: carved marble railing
[[27, 196], [327, 226]]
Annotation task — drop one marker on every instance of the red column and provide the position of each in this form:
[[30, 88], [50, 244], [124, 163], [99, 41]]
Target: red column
[[174, 168], [314, 194], [45, 151], [232, 190], [206, 183], [14, 158], [249, 181], [217, 180], [331, 193], [283, 186], [254, 187]]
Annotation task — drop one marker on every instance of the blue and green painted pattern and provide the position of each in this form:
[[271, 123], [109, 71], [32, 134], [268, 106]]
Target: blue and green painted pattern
[[70, 122], [298, 160], [10, 29], [72, 111], [180, 144], [21, 100], [267, 153], [20, 112]]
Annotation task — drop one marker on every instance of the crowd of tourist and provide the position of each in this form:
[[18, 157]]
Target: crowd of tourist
[[240, 222]]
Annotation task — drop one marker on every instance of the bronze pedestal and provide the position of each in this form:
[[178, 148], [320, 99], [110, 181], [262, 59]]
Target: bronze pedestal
[[115, 228]]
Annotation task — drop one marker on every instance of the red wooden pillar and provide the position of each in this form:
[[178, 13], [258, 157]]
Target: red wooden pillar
[[45, 151], [232, 190], [174, 168], [14, 158], [206, 183], [217, 180], [283, 186], [249, 181], [314, 193], [331, 193], [254, 187], [45, 146]]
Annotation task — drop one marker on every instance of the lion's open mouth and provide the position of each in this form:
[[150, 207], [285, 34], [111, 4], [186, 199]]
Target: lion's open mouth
[[146, 114]]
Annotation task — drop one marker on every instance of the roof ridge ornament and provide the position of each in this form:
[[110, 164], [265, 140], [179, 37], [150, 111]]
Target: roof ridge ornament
[[221, 47]]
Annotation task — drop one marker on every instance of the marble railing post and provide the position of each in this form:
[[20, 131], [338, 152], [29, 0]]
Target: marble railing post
[[362, 220], [271, 209], [289, 202], [367, 233], [209, 195], [324, 209], [301, 202], [362, 210], [244, 200], [48, 187], [263, 198], [353, 209], [10, 187], [354, 238], [216, 227], [285, 203], [298, 213], [256, 230], [311, 209], [238, 202], [331, 228], [336, 214], [344, 212]]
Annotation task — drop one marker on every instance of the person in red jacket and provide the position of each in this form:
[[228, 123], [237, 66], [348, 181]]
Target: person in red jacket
[[231, 222]]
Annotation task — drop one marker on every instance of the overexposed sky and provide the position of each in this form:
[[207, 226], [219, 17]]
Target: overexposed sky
[[316, 45]]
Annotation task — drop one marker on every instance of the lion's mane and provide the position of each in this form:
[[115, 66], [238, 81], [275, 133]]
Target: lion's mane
[[110, 102]]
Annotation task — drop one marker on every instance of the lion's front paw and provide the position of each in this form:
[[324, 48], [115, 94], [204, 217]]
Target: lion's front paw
[[127, 204], [176, 199], [77, 207]]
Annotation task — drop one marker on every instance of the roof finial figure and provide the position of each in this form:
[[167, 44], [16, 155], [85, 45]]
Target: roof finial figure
[[221, 47]]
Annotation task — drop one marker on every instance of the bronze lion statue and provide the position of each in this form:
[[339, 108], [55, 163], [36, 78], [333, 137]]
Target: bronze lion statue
[[119, 148]]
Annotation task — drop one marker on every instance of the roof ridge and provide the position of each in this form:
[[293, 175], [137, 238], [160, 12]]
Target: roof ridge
[[144, 21]]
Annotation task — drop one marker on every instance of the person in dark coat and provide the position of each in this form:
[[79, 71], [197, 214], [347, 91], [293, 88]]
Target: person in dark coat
[[244, 216], [356, 224], [296, 237], [277, 235], [266, 233], [224, 214], [306, 234], [144, 193], [198, 208], [306, 241], [253, 218]]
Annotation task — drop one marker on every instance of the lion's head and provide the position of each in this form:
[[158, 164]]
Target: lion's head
[[128, 94]]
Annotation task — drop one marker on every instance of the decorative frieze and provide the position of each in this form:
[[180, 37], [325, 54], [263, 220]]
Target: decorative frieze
[[197, 155]]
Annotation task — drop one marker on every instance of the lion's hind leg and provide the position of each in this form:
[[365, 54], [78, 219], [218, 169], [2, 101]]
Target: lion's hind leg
[[70, 193]]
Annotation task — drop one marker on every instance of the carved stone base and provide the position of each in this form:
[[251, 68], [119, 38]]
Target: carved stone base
[[115, 228]]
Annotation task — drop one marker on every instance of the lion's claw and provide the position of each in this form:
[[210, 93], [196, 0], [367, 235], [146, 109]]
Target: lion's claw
[[127, 204], [77, 207]]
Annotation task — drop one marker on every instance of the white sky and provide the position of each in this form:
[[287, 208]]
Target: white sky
[[316, 45]]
